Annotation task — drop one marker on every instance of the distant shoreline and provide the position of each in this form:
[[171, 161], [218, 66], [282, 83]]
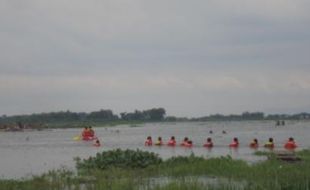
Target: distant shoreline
[[68, 119]]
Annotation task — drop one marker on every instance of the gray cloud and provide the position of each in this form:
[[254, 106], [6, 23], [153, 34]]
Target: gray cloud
[[193, 58]]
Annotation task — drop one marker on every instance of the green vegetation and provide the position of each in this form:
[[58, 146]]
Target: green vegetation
[[120, 159], [68, 119], [106, 117], [175, 173]]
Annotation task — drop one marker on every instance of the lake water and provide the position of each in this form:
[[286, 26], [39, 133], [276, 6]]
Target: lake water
[[23, 154]]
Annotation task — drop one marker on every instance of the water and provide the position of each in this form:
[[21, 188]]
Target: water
[[23, 154]]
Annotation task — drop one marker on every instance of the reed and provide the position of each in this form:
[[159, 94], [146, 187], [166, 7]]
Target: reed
[[179, 173]]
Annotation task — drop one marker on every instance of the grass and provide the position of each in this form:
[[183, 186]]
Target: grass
[[180, 173]]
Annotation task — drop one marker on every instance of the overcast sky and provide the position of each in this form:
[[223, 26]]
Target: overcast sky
[[193, 58]]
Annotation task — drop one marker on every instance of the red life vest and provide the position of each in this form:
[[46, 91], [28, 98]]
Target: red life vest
[[290, 145], [188, 145], [234, 144], [253, 145], [91, 133], [208, 145], [184, 143], [148, 142], [171, 143]]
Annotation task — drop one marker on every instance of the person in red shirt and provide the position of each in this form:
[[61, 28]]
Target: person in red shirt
[[86, 134], [185, 141], [209, 143], [91, 132], [172, 141], [234, 143], [254, 144], [148, 141], [189, 144], [290, 144]]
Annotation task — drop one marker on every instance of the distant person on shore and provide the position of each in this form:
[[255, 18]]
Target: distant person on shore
[[209, 143], [234, 143], [148, 141], [159, 141], [254, 143], [280, 123], [269, 143], [172, 141], [290, 144]]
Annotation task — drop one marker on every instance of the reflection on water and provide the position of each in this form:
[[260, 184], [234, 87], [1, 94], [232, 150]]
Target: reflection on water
[[28, 153]]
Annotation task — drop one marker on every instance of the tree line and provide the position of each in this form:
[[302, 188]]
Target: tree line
[[103, 115], [154, 114], [244, 116]]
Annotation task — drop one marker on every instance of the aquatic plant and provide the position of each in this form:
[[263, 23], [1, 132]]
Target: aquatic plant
[[120, 159], [236, 174]]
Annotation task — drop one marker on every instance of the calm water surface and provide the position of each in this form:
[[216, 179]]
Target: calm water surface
[[23, 154]]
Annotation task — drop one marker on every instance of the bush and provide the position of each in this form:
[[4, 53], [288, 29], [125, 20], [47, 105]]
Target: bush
[[183, 160], [120, 159]]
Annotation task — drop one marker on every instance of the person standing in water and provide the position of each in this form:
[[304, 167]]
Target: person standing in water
[[290, 144], [97, 143], [148, 141], [91, 132], [209, 143], [269, 143], [172, 141], [254, 143], [159, 142], [185, 141], [234, 143]]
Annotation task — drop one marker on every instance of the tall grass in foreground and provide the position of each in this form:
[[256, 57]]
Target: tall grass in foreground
[[177, 173]]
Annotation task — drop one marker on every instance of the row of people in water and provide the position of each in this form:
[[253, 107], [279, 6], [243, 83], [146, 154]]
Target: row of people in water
[[290, 144]]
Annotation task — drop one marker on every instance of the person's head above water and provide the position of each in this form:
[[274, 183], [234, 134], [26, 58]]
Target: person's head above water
[[270, 140]]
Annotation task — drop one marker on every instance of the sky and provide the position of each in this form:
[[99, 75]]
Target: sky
[[193, 58]]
